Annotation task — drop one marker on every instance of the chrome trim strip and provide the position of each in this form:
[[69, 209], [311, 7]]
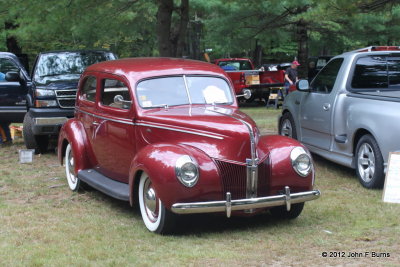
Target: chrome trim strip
[[244, 204], [151, 125], [105, 118], [12, 110], [252, 164], [179, 130], [228, 205]]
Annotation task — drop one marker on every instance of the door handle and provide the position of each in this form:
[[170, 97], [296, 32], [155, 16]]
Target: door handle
[[326, 106], [95, 123]]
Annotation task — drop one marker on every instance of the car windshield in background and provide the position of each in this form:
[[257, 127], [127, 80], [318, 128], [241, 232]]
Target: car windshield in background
[[235, 65], [183, 90], [67, 65]]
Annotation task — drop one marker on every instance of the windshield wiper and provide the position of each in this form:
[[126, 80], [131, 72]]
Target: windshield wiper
[[160, 106]]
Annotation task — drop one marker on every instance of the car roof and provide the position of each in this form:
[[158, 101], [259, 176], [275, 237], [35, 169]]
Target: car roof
[[76, 50], [374, 50], [139, 68]]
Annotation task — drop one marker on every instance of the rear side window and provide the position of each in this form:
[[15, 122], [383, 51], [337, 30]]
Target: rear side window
[[325, 80], [394, 72], [115, 94], [89, 89], [370, 72]]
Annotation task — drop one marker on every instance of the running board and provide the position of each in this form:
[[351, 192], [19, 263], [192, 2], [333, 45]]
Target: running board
[[104, 184]]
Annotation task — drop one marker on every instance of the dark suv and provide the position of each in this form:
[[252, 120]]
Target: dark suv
[[51, 98]]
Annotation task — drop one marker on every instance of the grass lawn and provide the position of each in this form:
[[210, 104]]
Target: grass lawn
[[43, 223]]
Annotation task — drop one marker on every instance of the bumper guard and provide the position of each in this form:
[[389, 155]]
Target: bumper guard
[[230, 205]]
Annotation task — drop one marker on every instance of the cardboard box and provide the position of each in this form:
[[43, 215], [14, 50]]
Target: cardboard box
[[252, 79]]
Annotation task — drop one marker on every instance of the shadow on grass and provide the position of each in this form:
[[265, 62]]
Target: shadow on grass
[[197, 224]]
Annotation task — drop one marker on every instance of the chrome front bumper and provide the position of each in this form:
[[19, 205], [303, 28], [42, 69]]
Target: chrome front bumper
[[229, 205]]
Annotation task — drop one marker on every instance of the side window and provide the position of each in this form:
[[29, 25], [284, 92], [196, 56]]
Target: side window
[[89, 89], [6, 65], [370, 72], [325, 80], [115, 94], [394, 72]]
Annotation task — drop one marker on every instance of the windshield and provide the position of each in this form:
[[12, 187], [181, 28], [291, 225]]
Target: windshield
[[67, 65], [235, 65], [183, 90]]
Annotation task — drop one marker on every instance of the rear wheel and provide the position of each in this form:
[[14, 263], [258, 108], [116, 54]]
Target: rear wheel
[[287, 126], [281, 212], [155, 216], [369, 162]]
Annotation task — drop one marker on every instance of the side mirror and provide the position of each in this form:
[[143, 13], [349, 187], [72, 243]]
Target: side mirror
[[303, 86], [246, 94], [13, 76]]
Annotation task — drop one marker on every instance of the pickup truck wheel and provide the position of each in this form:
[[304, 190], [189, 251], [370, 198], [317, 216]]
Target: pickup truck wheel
[[155, 216], [73, 180], [369, 162], [37, 142], [287, 126], [281, 212]]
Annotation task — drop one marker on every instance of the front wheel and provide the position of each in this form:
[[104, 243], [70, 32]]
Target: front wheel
[[369, 162], [287, 126], [281, 212], [37, 142], [72, 179], [154, 214]]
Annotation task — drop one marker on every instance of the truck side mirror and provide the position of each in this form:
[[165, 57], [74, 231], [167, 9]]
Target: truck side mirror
[[13, 76], [303, 86]]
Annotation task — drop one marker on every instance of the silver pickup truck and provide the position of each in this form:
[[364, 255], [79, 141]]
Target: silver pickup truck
[[350, 113]]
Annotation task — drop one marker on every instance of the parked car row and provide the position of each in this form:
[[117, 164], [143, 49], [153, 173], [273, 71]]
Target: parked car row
[[167, 135]]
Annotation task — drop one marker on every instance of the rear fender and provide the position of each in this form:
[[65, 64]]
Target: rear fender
[[73, 132], [158, 161]]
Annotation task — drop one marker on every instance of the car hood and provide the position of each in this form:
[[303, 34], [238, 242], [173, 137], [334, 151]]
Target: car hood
[[222, 133]]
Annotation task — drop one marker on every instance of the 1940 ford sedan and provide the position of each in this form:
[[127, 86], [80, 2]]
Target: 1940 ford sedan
[[167, 134]]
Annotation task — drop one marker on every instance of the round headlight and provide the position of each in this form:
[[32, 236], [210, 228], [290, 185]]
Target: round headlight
[[301, 161], [187, 171]]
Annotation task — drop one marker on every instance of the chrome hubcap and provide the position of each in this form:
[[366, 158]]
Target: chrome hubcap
[[71, 168], [286, 129], [150, 201], [366, 162]]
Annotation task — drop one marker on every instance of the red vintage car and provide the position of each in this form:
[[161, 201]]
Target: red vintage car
[[166, 134]]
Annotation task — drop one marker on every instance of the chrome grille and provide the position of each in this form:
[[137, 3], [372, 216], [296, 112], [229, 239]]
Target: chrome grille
[[66, 98], [234, 178]]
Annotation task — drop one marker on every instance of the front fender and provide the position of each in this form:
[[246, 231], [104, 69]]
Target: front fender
[[158, 161], [74, 133], [281, 171]]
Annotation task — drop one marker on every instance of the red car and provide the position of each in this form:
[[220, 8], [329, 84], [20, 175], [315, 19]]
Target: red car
[[167, 135]]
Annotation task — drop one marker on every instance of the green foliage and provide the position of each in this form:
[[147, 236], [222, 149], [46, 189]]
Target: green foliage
[[229, 27]]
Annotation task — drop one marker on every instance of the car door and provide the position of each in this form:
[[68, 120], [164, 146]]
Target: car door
[[12, 93], [114, 136], [317, 106]]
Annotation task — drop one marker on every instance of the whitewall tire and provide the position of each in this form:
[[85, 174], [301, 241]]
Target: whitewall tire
[[69, 161], [155, 216]]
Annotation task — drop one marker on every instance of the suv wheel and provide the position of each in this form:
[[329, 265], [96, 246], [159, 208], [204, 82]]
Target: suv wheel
[[369, 162], [37, 142], [287, 126]]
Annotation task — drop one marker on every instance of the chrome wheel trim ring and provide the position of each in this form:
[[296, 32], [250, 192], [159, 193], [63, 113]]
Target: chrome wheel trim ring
[[366, 162], [150, 201]]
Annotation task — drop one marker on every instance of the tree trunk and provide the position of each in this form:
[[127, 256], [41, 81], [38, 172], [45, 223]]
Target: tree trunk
[[302, 48], [181, 38], [164, 18], [11, 41]]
